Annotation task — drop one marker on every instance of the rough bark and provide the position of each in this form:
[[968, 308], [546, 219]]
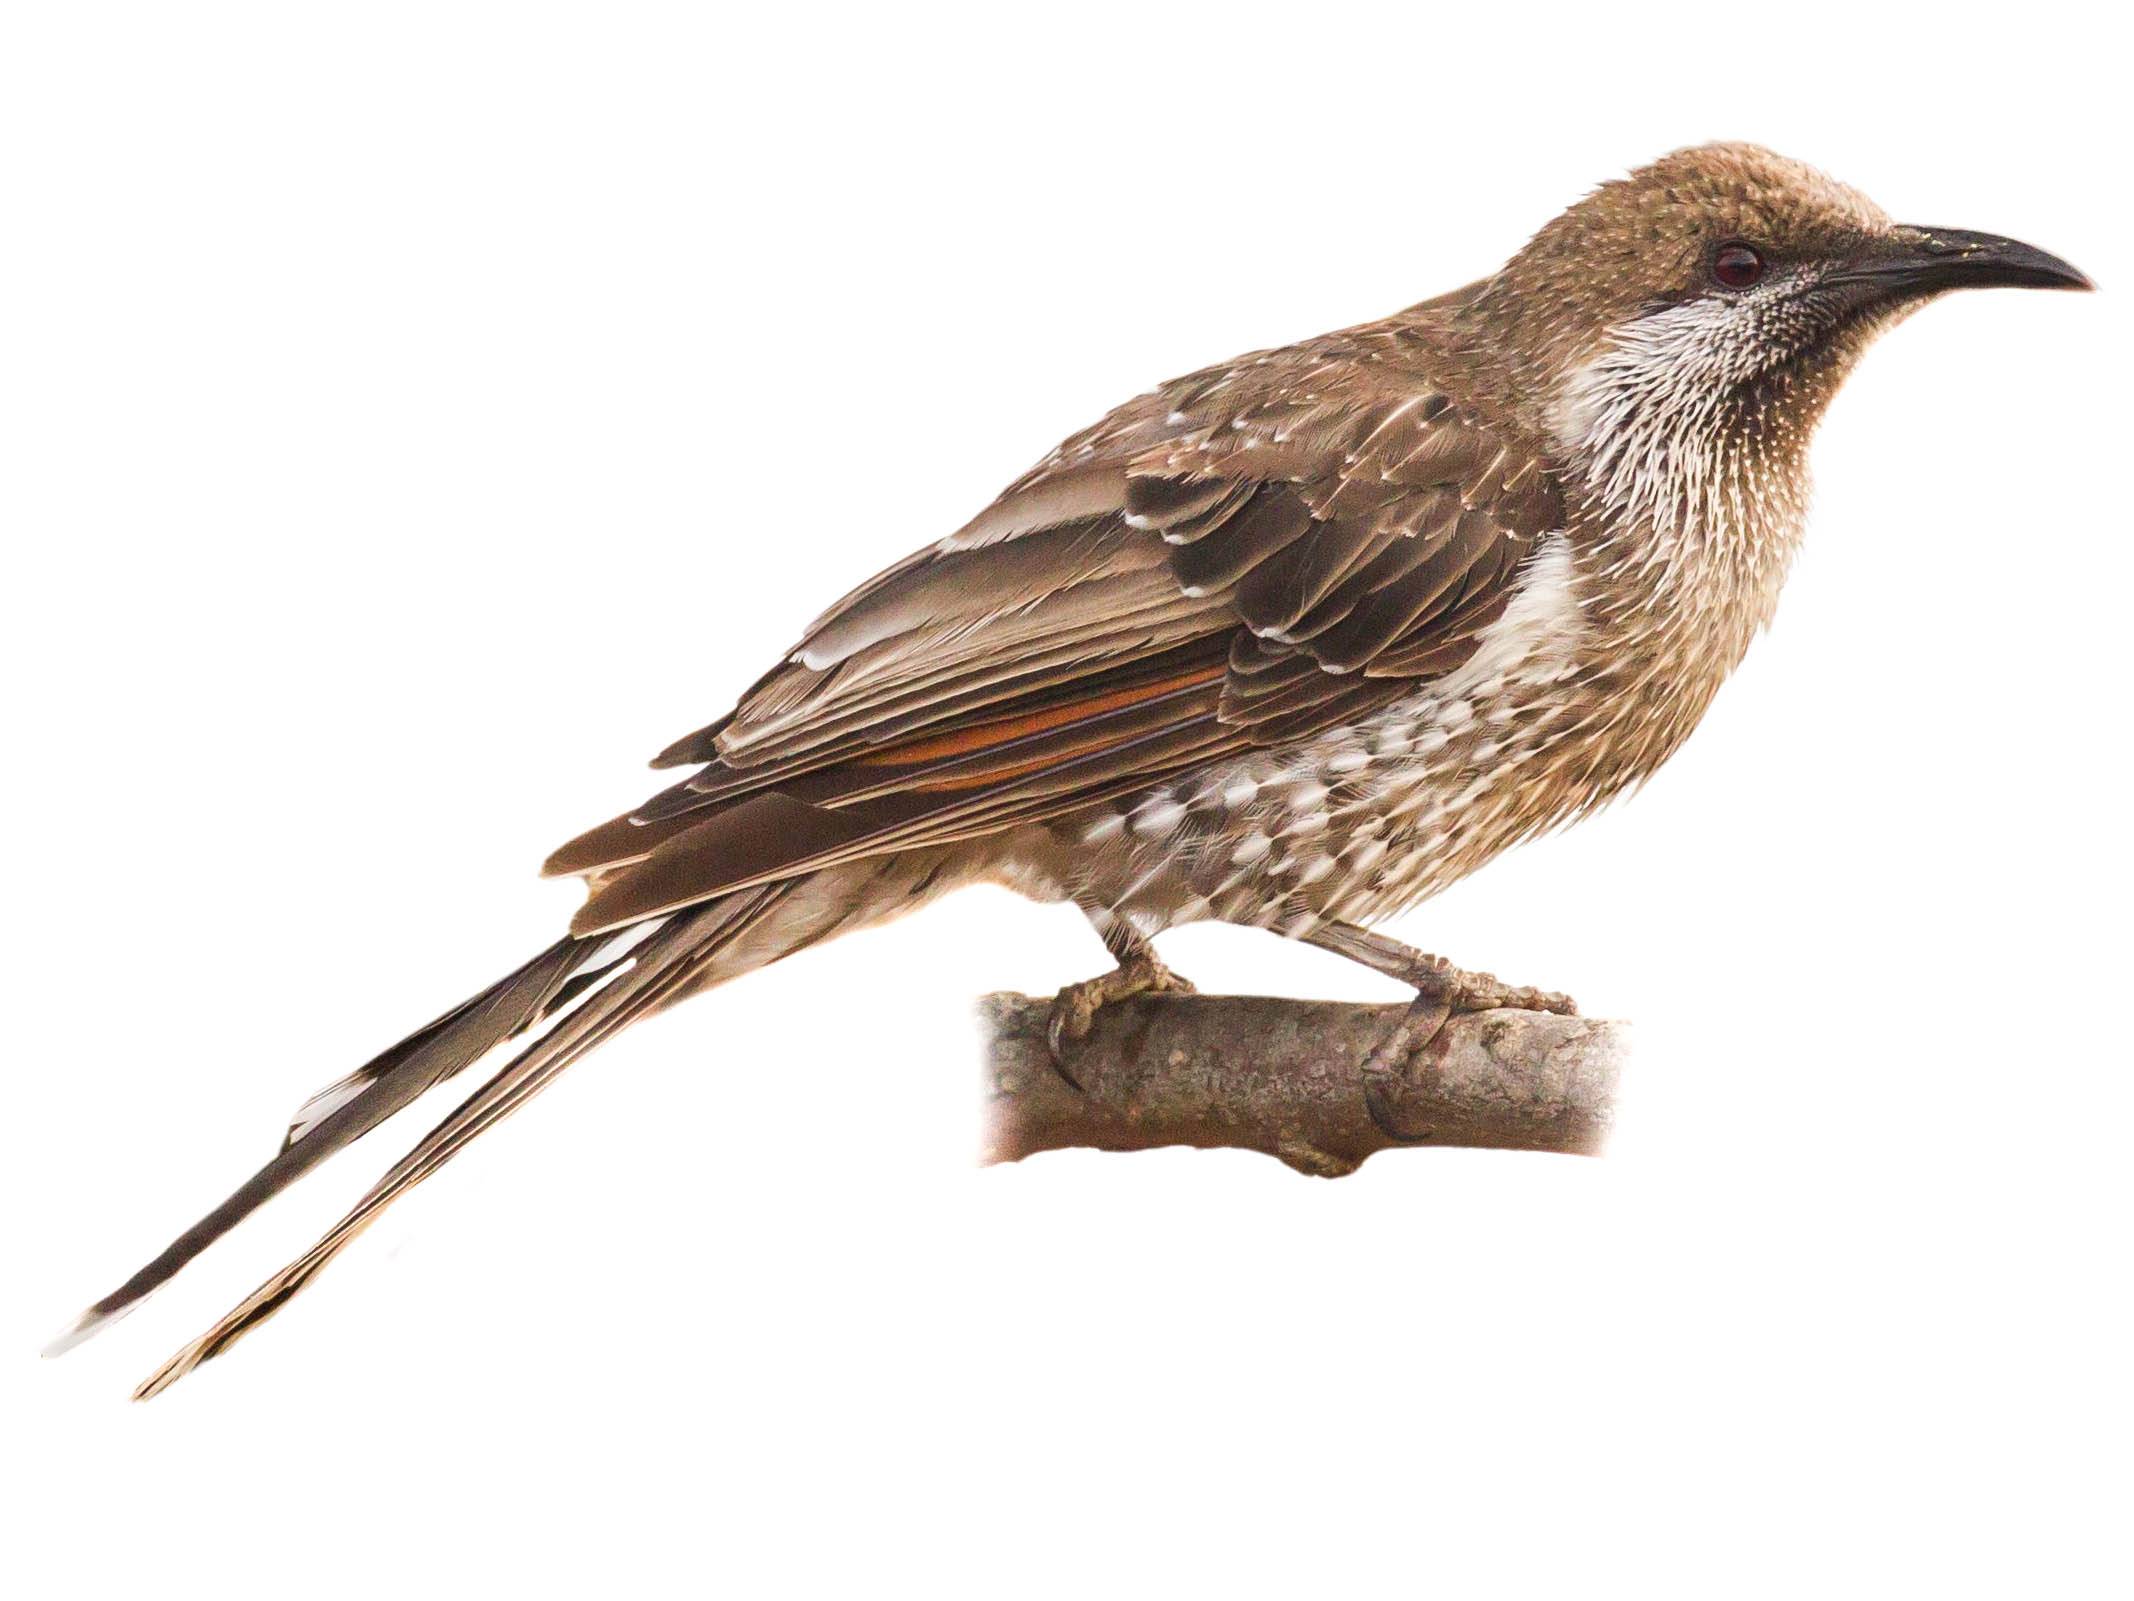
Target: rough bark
[[1285, 1077]]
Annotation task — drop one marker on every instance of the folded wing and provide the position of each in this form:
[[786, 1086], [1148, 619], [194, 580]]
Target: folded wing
[[1247, 556]]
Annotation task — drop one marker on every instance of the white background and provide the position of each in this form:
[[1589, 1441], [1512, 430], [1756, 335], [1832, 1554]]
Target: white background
[[414, 416]]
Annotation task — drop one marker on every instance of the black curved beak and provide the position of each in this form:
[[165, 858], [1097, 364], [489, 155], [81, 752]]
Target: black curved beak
[[1925, 261]]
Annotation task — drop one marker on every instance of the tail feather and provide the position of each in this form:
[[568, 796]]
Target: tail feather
[[350, 1107], [661, 968], [578, 993]]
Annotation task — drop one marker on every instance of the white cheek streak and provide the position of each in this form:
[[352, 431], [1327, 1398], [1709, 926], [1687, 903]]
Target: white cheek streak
[[1697, 502], [1639, 411]]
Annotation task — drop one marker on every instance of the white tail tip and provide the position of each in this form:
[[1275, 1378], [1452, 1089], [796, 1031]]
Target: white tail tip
[[84, 1326]]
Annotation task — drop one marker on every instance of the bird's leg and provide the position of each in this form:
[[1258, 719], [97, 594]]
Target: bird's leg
[[1440, 991], [1140, 972]]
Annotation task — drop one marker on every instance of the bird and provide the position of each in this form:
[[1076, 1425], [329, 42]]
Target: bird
[[1294, 641]]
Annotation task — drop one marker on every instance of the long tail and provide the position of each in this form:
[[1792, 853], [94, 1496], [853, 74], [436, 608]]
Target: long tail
[[589, 990], [351, 1107]]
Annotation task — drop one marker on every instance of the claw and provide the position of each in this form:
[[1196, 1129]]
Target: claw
[[1374, 1102], [1075, 1008], [1063, 1025], [1383, 1078]]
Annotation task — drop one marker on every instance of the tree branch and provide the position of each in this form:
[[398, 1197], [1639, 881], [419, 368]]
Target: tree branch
[[1284, 1077]]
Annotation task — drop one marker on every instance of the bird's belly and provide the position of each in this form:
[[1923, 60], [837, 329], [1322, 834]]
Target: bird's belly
[[1349, 826]]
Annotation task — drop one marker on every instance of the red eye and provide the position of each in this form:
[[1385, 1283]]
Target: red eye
[[1737, 266]]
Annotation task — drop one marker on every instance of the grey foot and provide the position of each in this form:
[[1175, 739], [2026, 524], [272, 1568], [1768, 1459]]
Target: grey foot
[[1075, 1008], [1385, 1070], [1441, 992]]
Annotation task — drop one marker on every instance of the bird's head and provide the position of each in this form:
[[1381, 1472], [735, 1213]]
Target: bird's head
[[1700, 313]]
